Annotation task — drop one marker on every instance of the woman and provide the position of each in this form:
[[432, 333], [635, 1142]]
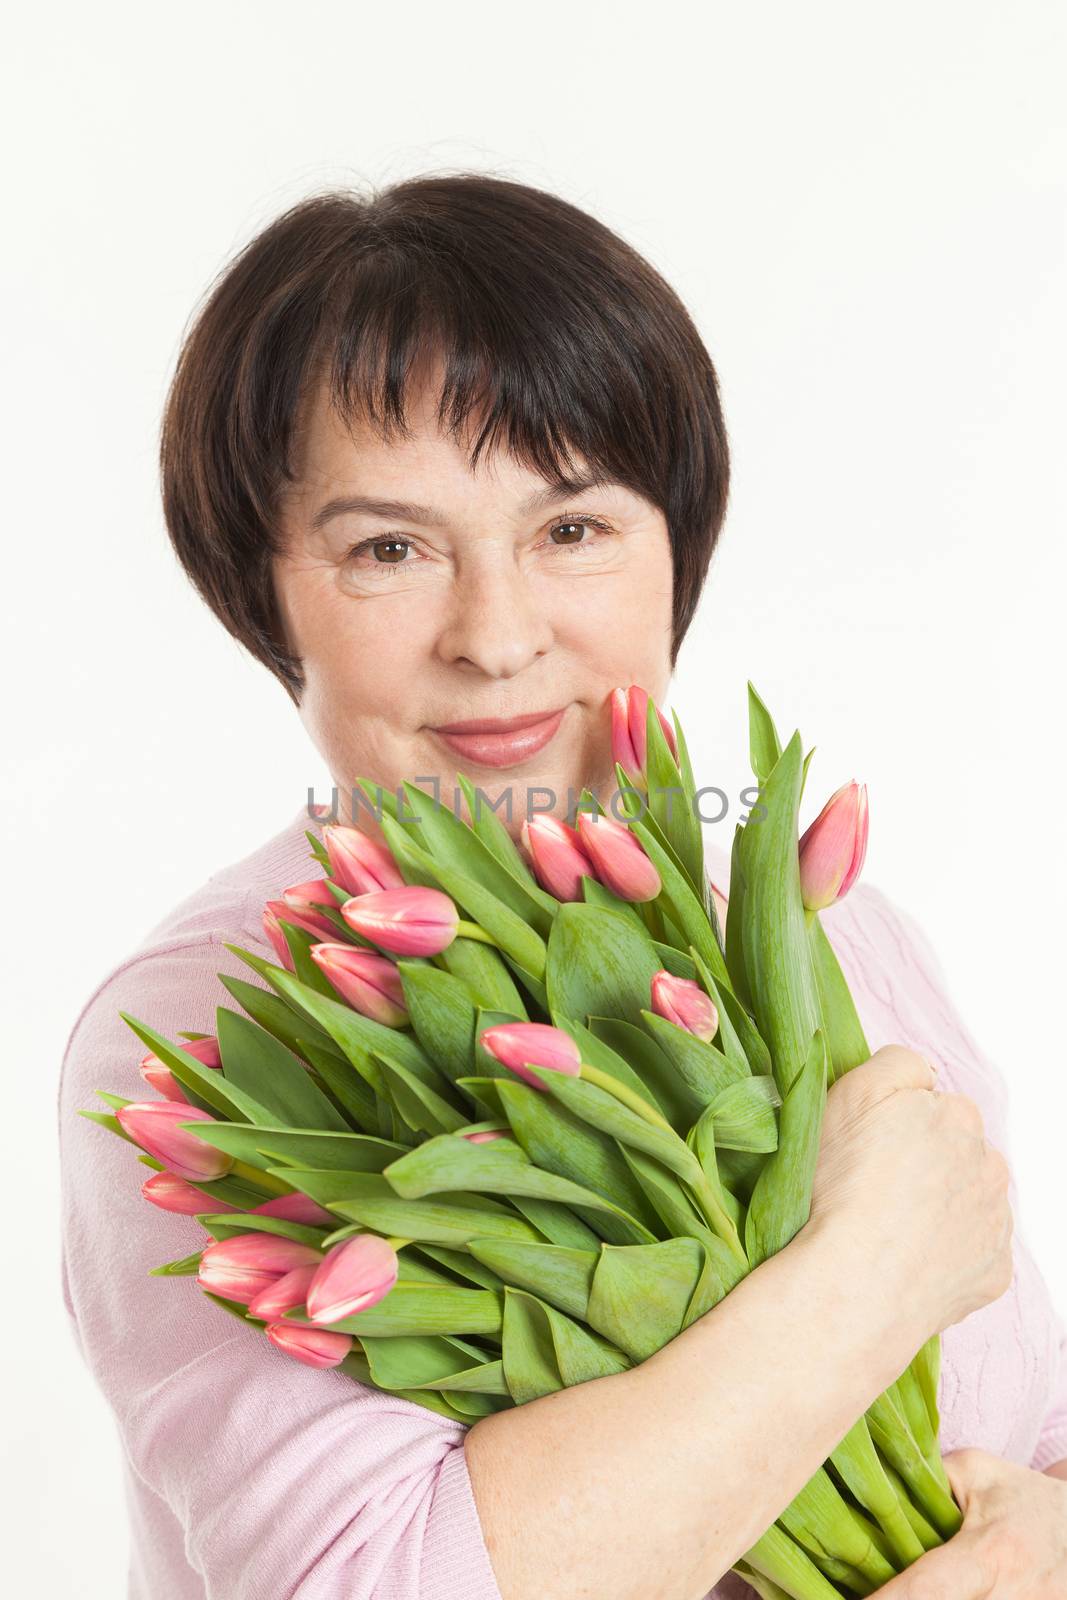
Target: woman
[[444, 458]]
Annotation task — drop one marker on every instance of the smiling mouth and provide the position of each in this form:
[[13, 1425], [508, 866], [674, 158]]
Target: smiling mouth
[[501, 742]]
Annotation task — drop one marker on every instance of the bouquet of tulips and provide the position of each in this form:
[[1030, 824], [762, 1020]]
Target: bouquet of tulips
[[502, 1120]]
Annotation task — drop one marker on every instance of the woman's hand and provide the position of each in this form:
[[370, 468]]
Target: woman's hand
[[905, 1177], [1013, 1542]]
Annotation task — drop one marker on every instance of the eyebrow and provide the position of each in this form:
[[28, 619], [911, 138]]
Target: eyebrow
[[408, 511]]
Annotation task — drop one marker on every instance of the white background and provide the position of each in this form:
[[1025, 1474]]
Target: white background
[[864, 209]]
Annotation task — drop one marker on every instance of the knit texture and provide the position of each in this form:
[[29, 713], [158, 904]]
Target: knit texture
[[251, 1477]]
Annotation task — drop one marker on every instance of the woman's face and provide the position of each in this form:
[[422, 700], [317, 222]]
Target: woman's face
[[474, 595]]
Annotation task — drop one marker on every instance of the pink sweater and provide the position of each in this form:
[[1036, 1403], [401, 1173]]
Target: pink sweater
[[251, 1477]]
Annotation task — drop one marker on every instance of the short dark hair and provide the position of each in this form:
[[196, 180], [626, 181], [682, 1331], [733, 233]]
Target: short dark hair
[[565, 335]]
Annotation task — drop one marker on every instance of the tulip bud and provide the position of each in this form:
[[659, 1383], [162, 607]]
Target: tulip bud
[[629, 732], [295, 1207], [283, 1294], [355, 1274], [833, 848], [171, 1193], [618, 859], [684, 1003], [412, 921], [315, 1347], [484, 1135], [557, 858], [359, 863], [369, 982], [303, 901], [156, 1126], [514, 1044], [158, 1075], [242, 1267], [271, 927]]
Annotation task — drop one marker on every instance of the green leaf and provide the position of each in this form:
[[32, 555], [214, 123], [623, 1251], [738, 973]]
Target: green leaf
[[781, 1200], [185, 1267], [671, 805], [598, 963], [763, 742], [495, 836], [414, 1360], [703, 1069], [681, 904], [601, 1110], [230, 1224], [562, 1143], [679, 1217], [529, 1355], [442, 1013], [421, 1107], [743, 1115], [265, 1147], [663, 1088], [777, 958], [361, 1038], [561, 1276], [422, 1308], [259, 1064], [506, 927], [841, 1024], [675, 961], [226, 1099], [486, 976], [453, 844], [598, 894], [640, 1293], [561, 1226], [450, 1162], [370, 1199], [628, 1059]]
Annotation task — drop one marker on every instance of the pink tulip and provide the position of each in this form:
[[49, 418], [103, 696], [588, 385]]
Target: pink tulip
[[833, 848], [295, 1207], [303, 901], [412, 921], [156, 1126], [369, 982], [629, 737], [684, 1003], [359, 863], [271, 927], [484, 1135], [515, 1043], [242, 1267], [556, 855], [158, 1076], [283, 1294], [618, 859], [356, 1274], [171, 1193], [315, 1347]]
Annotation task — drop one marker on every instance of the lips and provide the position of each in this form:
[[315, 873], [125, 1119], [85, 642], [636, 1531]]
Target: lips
[[501, 741]]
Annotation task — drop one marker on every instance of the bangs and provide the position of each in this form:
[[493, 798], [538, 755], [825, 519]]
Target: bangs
[[540, 352]]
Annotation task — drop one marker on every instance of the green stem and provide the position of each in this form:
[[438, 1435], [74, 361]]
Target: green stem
[[471, 930], [623, 1093], [261, 1179]]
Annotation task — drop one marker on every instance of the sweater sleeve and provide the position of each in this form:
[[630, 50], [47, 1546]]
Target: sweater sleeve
[[287, 1481]]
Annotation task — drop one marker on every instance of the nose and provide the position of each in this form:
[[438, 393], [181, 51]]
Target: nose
[[496, 622]]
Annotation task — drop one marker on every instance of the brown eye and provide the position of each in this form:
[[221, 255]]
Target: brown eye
[[370, 548], [572, 531], [394, 546]]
